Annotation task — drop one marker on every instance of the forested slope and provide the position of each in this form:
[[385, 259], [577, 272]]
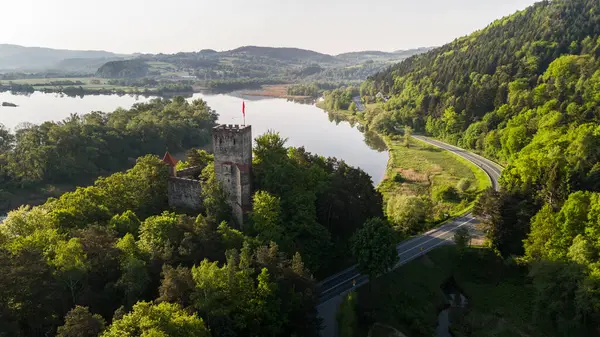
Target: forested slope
[[524, 91]]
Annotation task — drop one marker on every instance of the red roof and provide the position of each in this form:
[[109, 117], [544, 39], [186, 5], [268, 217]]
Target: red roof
[[169, 159]]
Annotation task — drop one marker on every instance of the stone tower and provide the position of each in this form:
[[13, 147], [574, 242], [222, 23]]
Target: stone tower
[[232, 146]]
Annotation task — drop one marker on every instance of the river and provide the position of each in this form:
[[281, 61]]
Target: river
[[303, 124]]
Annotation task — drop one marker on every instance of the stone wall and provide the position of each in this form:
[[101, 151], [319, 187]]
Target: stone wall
[[190, 171], [233, 166], [185, 193]]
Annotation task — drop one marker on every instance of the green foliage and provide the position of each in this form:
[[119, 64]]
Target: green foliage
[[79, 322], [123, 69], [408, 213], [352, 107], [306, 200], [163, 319], [445, 193], [83, 147], [213, 196], [374, 246], [314, 89], [522, 91], [462, 239], [176, 286], [347, 317], [398, 178], [505, 218], [125, 223], [199, 158], [463, 185], [266, 216], [339, 99], [407, 135], [115, 244]]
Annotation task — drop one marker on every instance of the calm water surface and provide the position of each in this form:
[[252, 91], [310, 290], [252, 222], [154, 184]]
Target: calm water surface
[[303, 124]]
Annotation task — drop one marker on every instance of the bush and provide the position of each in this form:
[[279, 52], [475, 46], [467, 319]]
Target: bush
[[408, 213], [463, 185], [445, 193], [398, 178]]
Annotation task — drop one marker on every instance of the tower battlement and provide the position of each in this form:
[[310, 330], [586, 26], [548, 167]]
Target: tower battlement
[[232, 145]]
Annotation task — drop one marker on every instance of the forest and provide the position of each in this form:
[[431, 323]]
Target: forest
[[524, 92], [113, 259], [81, 148]]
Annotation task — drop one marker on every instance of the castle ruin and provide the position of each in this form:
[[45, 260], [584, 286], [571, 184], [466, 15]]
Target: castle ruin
[[232, 145], [232, 148]]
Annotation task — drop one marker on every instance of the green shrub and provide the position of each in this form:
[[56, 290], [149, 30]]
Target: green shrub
[[463, 185], [445, 193], [398, 178]]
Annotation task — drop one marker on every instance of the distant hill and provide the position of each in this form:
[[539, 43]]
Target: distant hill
[[375, 55], [414, 51], [243, 63], [283, 54], [14, 57], [135, 68]]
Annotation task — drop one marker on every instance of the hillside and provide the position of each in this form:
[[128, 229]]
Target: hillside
[[36, 58], [123, 69], [522, 91], [367, 55], [283, 54]]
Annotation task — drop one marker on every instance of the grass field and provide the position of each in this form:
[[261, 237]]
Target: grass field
[[410, 298], [424, 167]]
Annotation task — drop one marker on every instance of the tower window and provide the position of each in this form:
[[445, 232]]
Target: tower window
[[234, 141]]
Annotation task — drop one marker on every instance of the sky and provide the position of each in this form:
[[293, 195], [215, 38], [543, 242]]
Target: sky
[[327, 26]]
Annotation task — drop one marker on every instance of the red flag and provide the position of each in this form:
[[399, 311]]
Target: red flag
[[244, 108]]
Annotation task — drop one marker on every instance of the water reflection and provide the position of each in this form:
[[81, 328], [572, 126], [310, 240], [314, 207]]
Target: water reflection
[[301, 122], [375, 142]]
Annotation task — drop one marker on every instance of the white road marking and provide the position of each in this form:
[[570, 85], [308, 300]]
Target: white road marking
[[400, 253]]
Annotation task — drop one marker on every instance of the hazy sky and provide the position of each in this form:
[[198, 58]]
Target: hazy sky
[[328, 26]]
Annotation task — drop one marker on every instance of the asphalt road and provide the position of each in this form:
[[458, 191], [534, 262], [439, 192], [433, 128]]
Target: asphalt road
[[335, 287]]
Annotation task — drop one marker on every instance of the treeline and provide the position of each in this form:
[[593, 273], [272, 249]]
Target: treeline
[[238, 84], [83, 147], [533, 105], [111, 260], [340, 99], [318, 202], [17, 88], [314, 89], [123, 69], [161, 90]]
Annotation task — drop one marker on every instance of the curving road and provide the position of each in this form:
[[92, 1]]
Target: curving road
[[335, 287]]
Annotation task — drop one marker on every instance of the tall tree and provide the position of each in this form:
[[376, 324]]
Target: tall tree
[[80, 322], [163, 319], [374, 247]]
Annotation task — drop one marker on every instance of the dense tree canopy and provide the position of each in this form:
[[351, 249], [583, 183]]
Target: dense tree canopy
[[523, 91], [83, 147], [308, 203]]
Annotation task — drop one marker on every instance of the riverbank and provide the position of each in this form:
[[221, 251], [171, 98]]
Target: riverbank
[[275, 91], [410, 298], [94, 86], [420, 169]]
